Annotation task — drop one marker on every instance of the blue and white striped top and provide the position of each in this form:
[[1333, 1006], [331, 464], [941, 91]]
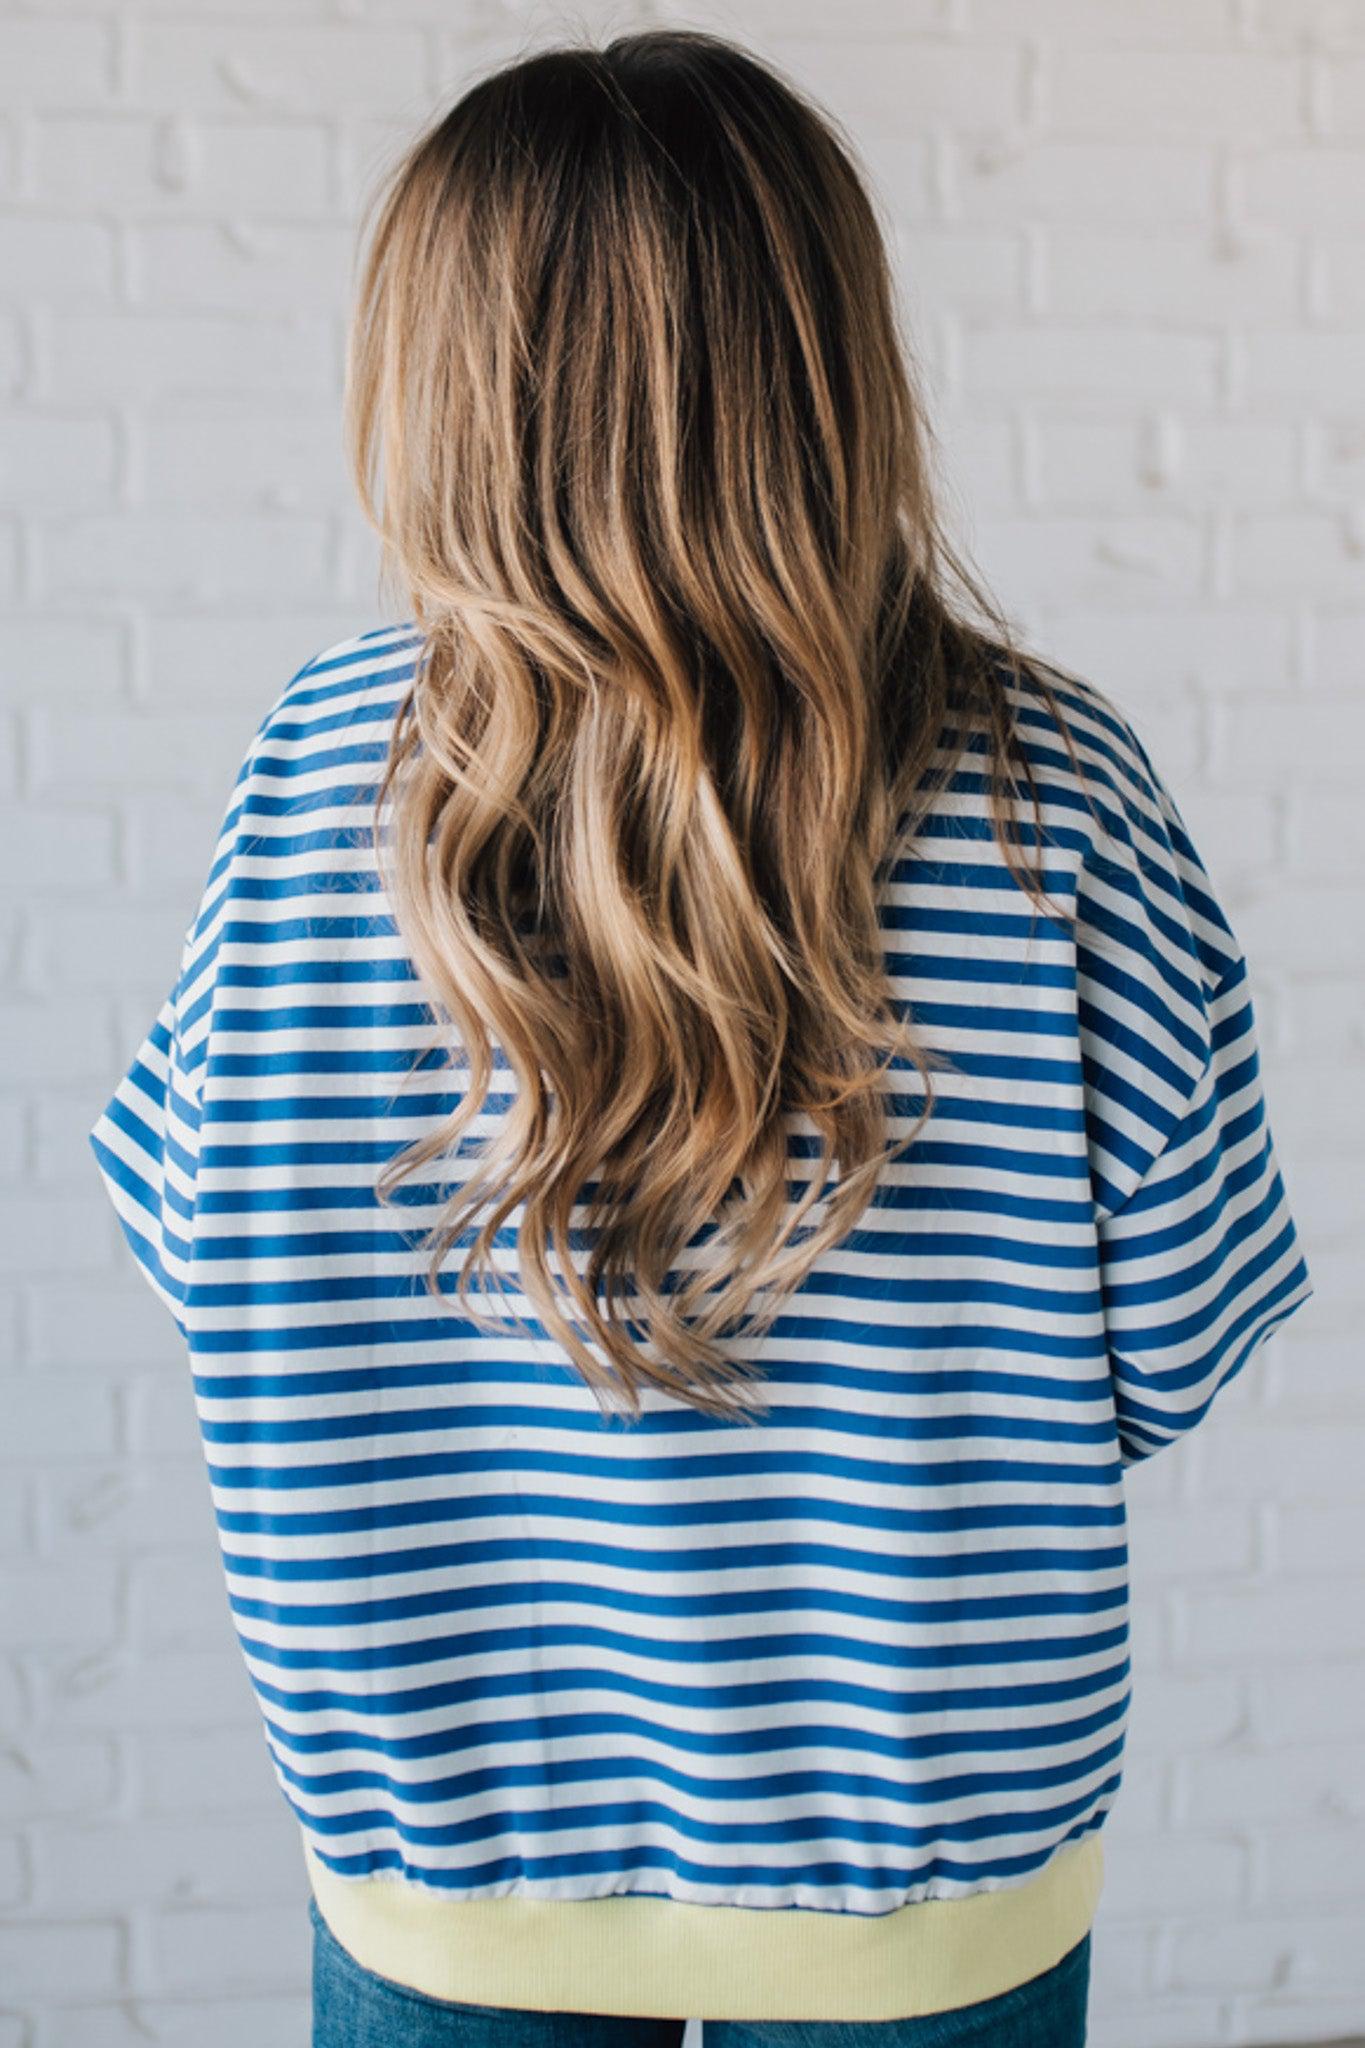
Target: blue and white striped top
[[868, 1650]]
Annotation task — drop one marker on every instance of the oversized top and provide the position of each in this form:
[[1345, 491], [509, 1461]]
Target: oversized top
[[868, 1651]]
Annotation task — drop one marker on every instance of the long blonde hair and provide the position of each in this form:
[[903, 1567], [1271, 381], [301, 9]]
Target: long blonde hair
[[656, 492]]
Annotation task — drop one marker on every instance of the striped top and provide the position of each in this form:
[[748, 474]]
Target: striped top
[[868, 1651]]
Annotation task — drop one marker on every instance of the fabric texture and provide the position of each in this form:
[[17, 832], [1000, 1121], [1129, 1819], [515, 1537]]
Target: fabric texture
[[637, 1955], [356, 2008], [870, 1650]]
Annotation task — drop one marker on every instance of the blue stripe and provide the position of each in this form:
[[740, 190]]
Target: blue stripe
[[453, 1579]]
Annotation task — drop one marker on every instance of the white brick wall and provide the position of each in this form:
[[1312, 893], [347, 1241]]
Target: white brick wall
[[1129, 235]]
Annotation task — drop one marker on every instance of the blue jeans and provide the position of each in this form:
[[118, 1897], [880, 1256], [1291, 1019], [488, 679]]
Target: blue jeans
[[354, 2008]]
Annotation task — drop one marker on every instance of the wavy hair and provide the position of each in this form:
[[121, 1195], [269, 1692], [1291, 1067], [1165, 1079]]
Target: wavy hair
[[628, 407]]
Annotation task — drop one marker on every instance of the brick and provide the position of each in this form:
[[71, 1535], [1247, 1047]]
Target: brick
[[1059, 560], [1313, 369], [1180, 96], [863, 21], [106, 752], [14, 1873], [1313, 2016], [127, 1508], [1166, 2022], [982, 458], [1101, 464], [81, 657], [1308, 1866], [1310, 1785], [1298, 25], [170, 845], [1334, 657], [42, 61], [170, 165], [1346, 99], [16, 1518], [223, 1949], [967, 272], [163, 1421], [59, 261], [1186, 278], [1130, 649], [246, 68], [119, 1322], [1104, 361], [45, 1606], [1329, 1195], [1289, 924], [178, 1598], [60, 849], [13, 352], [1301, 1621], [182, 1773], [83, 1870], [1336, 460], [1326, 1537], [1318, 1106], [15, 1153], [1174, 1874], [1120, 1967], [1256, 741], [968, 90], [55, 460], [1331, 1385], [281, 2022], [137, 356], [1173, 1712], [37, 1231], [68, 1961], [261, 460], [40, 1778], [1241, 828], [1265, 1955], [1186, 1542], [9, 559], [1317, 1698], [1308, 554], [1341, 264], [900, 169], [366, 144], [1080, 24], [224, 266], [75, 1420], [113, 1690], [48, 1041], [214, 658], [1313, 190], [1143, 1794], [198, 555]]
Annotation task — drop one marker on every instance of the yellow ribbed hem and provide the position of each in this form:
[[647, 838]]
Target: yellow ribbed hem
[[657, 1958]]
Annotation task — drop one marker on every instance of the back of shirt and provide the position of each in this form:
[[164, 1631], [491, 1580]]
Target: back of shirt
[[869, 1649]]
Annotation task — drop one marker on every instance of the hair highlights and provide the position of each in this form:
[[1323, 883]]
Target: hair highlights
[[655, 488]]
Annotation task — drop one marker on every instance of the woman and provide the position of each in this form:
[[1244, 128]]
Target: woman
[[709, 1110]]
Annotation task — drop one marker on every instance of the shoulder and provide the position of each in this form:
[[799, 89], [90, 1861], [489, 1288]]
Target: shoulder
[[315, 753], [1143, 883], [350, 689], [1112, 761]]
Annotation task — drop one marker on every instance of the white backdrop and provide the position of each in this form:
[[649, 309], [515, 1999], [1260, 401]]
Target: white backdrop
[[1129, 233]]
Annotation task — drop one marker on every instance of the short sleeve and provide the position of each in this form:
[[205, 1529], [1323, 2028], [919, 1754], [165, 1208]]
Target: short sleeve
[[145, 1143], [146, 1138], [1199, 1255], [1202, 1260]]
